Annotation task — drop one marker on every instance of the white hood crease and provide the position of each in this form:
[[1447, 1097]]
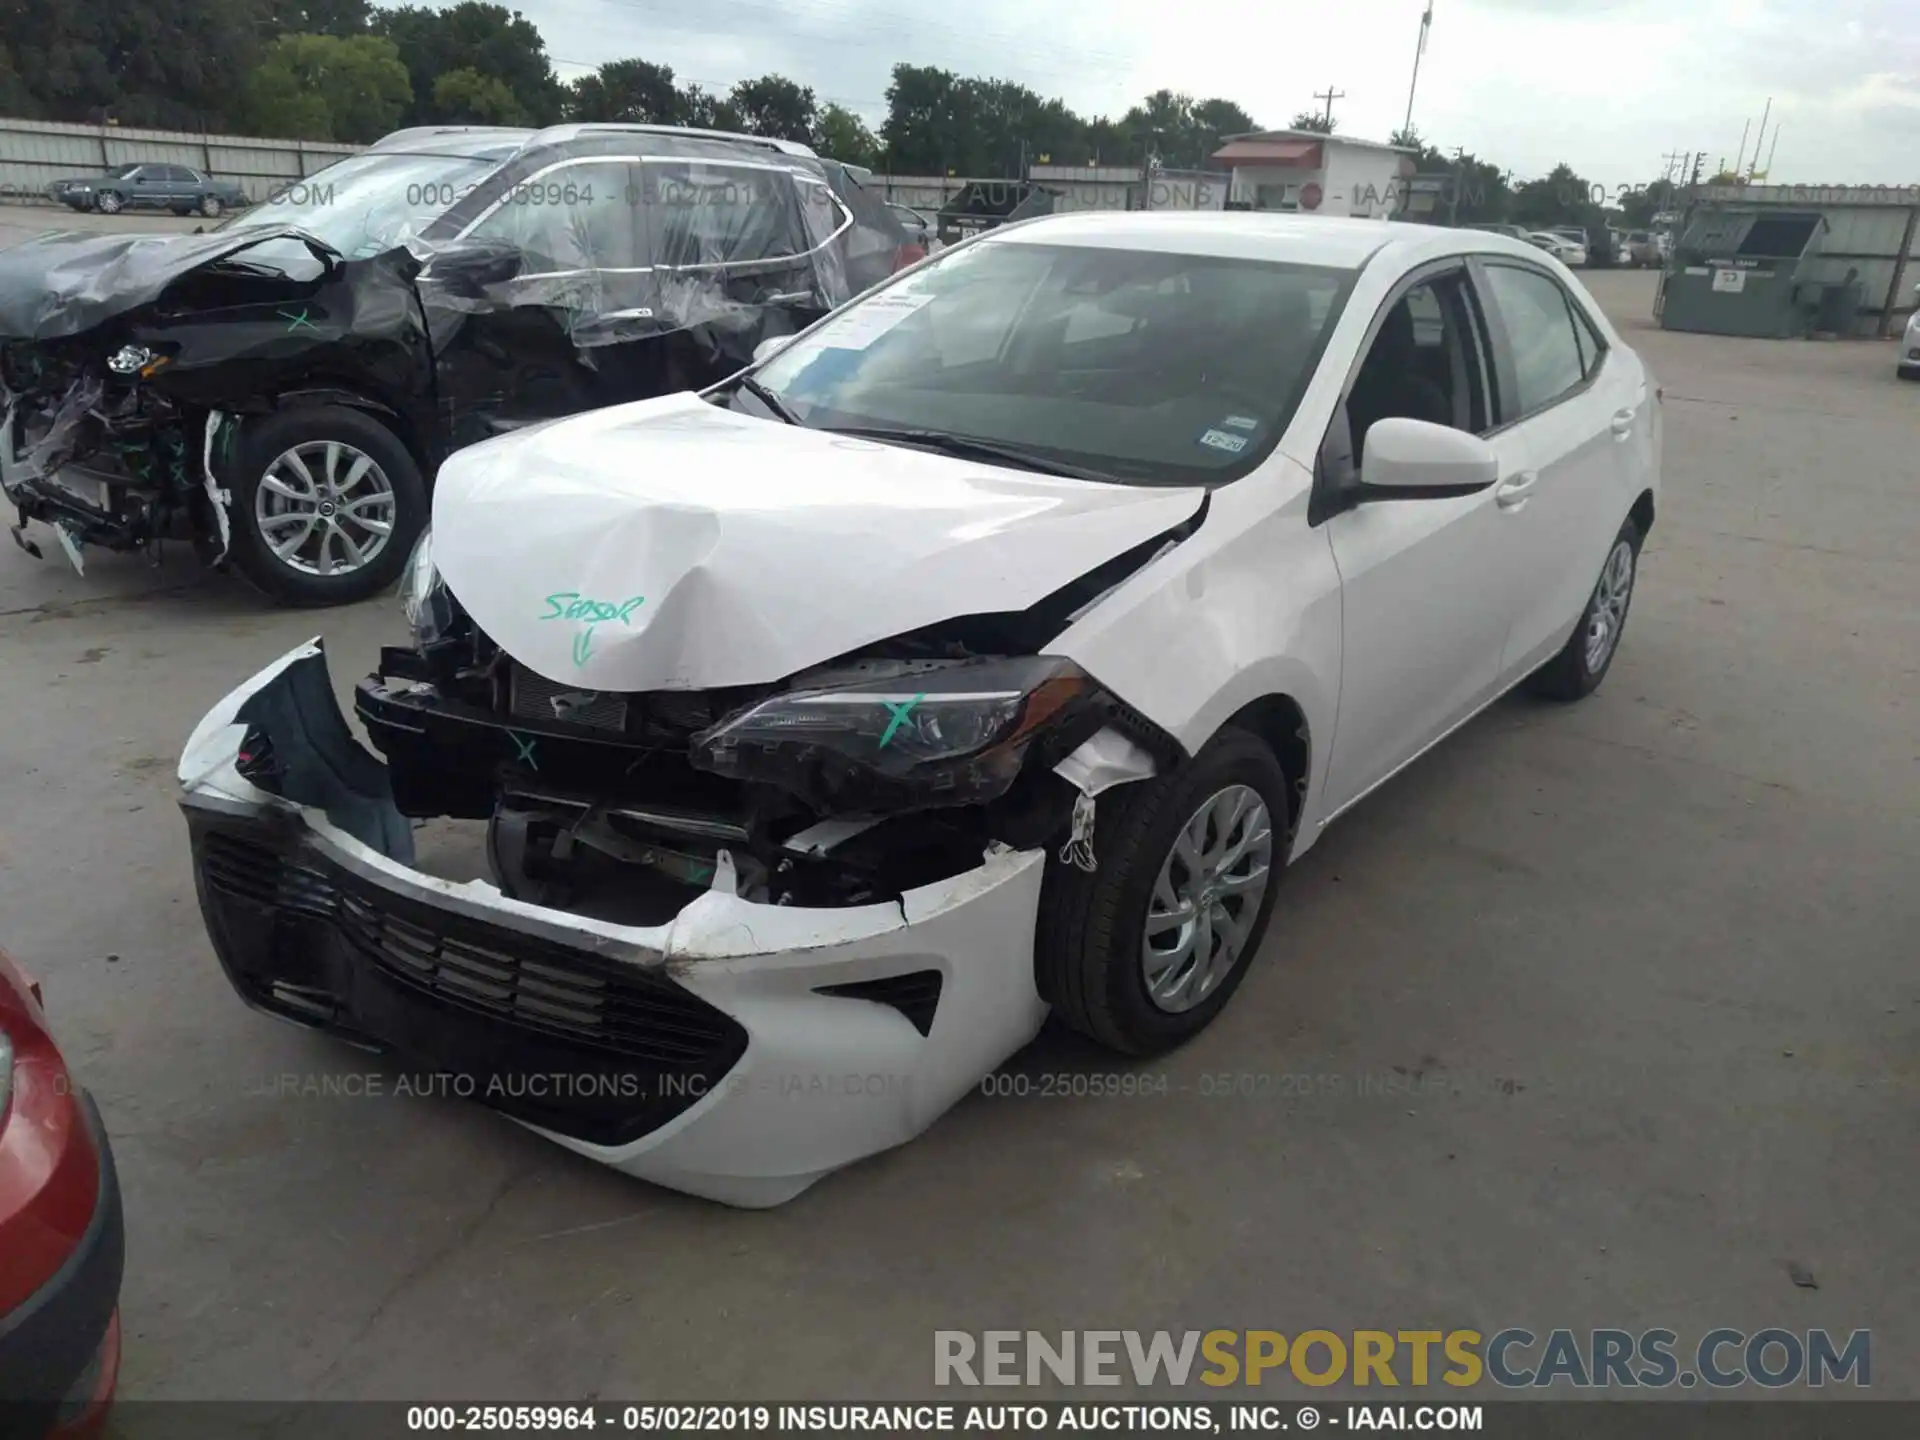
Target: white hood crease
[[672, 544]]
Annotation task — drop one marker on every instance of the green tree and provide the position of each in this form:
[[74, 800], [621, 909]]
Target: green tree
[[1640, 206], [490, 40], [1108, 142], [1160, 126], [1182, 131], [1314, 120], [636, 91], [173, 63], [1213, 121], [466, 97], [1560, 197], [321, 87], [776, 107], [344, 18], [16, 96], [930, 122], [709, 112], [843, 135]]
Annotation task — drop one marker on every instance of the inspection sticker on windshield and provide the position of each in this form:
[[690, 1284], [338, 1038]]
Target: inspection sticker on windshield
[[1222, 440], [1241, 422], [859, 327]]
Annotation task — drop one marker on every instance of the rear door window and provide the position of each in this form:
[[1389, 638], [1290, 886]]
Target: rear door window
[[1541, 338], [576, 216], [700, 213]]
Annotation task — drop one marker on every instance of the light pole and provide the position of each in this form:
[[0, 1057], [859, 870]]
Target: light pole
[[1426, 23]]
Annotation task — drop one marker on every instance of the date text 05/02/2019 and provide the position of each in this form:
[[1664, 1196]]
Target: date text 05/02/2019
[[908, 1419], [933, 1419]]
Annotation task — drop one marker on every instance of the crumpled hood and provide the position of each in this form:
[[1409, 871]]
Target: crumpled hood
[[672, 544], [69, 281]]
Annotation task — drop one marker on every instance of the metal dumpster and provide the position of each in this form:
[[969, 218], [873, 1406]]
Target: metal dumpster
[[983, 204], [1743, 271]]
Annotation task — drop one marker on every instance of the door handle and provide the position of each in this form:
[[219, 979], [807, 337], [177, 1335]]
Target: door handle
[[1622, 423], [1513, 491]]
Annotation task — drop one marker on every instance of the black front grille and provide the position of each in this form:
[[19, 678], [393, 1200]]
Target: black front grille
[[534, 985], [541, 987], [535, 697]]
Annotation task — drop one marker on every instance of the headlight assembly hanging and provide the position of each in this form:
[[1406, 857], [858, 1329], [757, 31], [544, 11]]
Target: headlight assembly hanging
[[954, 734]]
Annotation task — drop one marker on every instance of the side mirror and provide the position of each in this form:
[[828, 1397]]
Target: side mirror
[[470, 268], [1415, 460], [770, 347]]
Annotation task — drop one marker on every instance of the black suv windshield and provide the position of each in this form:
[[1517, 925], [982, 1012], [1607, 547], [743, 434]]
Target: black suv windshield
[[369, 203], [1142, 366]]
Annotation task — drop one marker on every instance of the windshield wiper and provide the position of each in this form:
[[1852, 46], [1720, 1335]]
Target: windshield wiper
[[780, 408], [966, 447]]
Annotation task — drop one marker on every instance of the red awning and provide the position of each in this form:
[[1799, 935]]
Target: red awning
[[1293, 154]]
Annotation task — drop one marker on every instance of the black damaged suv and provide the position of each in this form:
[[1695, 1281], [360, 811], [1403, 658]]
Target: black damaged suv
[[282, 389]]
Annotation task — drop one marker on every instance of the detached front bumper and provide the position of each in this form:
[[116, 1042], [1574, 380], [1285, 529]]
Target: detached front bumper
[[740, 1051]]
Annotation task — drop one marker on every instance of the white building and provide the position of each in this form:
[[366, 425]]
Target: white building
[[1305, 170]]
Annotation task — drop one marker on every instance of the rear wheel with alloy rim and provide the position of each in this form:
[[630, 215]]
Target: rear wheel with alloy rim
[[210, 206], [326, 504], [1143, 952], [1583, 662]]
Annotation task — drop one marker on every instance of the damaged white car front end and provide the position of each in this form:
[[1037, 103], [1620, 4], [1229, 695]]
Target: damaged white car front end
[[728, 936], [738, 1051]]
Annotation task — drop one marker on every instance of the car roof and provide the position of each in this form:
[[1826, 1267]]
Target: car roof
[[1327, 240], [486, 141]]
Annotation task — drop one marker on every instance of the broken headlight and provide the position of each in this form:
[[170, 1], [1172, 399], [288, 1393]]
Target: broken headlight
[[946, 734], [424, 595]]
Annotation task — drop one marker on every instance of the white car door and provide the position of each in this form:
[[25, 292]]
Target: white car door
[[1565, 408], [1426, 584]]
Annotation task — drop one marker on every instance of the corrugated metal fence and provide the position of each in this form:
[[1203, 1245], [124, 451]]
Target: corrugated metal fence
[[33, 153]]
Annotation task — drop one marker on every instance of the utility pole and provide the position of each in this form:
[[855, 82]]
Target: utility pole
[[1426, 24], [1329, 95], [1767, 173], [1741, 154], [1761, 136], [1459, 179]]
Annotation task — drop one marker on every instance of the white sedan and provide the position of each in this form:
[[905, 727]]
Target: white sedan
[[986, 651], [1567, 251]]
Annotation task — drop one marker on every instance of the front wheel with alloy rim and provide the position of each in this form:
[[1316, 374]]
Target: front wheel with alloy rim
[[1584, 660], [1142, 953], [108, 202], [326, 503]]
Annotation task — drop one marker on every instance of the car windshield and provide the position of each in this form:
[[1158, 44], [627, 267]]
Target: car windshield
[[369, 203], [1141, 366], [120, 172]]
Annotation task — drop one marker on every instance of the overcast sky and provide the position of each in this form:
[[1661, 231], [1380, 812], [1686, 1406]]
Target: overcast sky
[[1610, 86]]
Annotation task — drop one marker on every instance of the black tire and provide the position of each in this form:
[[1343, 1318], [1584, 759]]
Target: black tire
[[260, 442], [107, 202], [1087, 947], [210, 206], [1568, 676]]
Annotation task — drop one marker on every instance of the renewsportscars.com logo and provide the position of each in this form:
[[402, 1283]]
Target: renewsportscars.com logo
[[1513, 1358]]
